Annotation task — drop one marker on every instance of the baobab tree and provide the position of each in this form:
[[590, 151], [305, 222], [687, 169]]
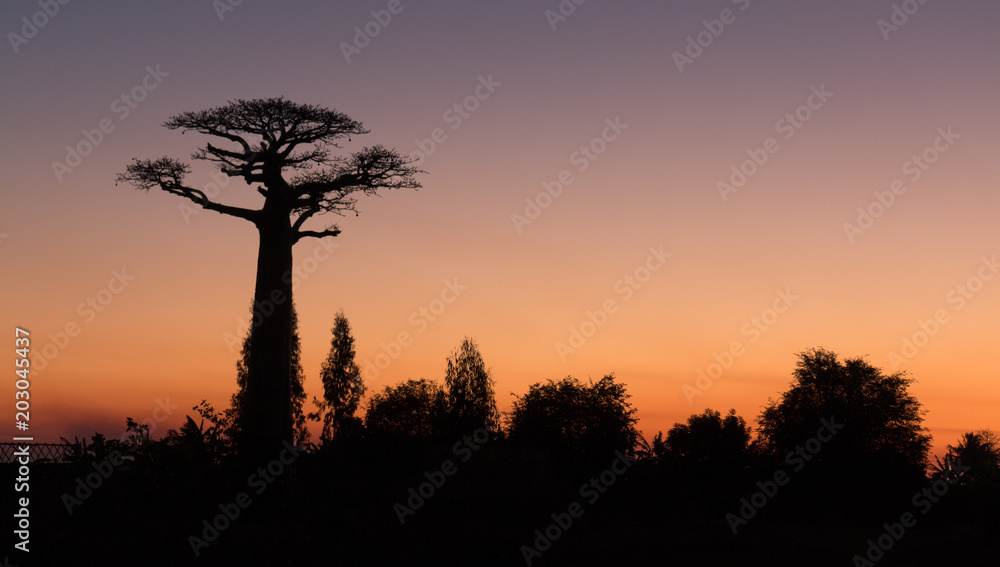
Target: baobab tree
[[283, 150]]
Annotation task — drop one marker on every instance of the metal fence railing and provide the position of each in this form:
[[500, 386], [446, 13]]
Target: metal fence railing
[[39, 452]]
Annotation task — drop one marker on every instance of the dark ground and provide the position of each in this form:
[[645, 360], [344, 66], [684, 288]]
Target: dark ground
[[336, 508]]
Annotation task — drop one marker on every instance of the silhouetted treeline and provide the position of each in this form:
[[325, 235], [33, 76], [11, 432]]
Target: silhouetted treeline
[[432, 473]]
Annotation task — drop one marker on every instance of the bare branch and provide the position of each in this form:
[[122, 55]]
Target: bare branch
[[168, 174], [303, 218], [367, 171], [332, 231]]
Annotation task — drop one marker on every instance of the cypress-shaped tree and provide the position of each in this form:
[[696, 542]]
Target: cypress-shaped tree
[[342, 383]]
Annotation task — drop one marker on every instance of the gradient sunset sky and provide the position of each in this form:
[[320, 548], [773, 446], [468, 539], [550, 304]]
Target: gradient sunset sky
[[926, 87]]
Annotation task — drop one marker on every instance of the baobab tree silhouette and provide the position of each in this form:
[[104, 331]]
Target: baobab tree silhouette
[[268, 139]]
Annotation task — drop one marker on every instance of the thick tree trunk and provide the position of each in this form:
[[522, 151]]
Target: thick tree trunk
[[268, 413]]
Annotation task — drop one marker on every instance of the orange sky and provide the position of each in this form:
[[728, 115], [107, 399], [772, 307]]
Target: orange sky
[[655, 185]]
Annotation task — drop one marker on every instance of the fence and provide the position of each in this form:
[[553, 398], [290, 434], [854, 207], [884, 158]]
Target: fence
[[39, 452]]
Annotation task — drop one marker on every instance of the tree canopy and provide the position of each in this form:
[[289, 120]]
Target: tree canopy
[[980, 452], [415, 409], [707, 441], [881, 420], [342, 382], [268, 137], [580, 420], [472, 403]]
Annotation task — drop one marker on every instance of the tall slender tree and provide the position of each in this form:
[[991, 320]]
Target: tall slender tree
[[342, 382], [281, 149], [471, 398]]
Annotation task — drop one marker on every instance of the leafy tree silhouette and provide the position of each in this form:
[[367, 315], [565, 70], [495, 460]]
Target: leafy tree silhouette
[[471, 400], [99, 448], [415, 409], [283, 149], [878, 413], [220, 437], [882, 446], [194, 442], [342, 384], [706, 460], [978, 450], [707, 442], [575, 421]]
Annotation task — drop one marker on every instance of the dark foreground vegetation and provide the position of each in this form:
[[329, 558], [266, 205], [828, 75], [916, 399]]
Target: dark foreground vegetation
[[836, 473]]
